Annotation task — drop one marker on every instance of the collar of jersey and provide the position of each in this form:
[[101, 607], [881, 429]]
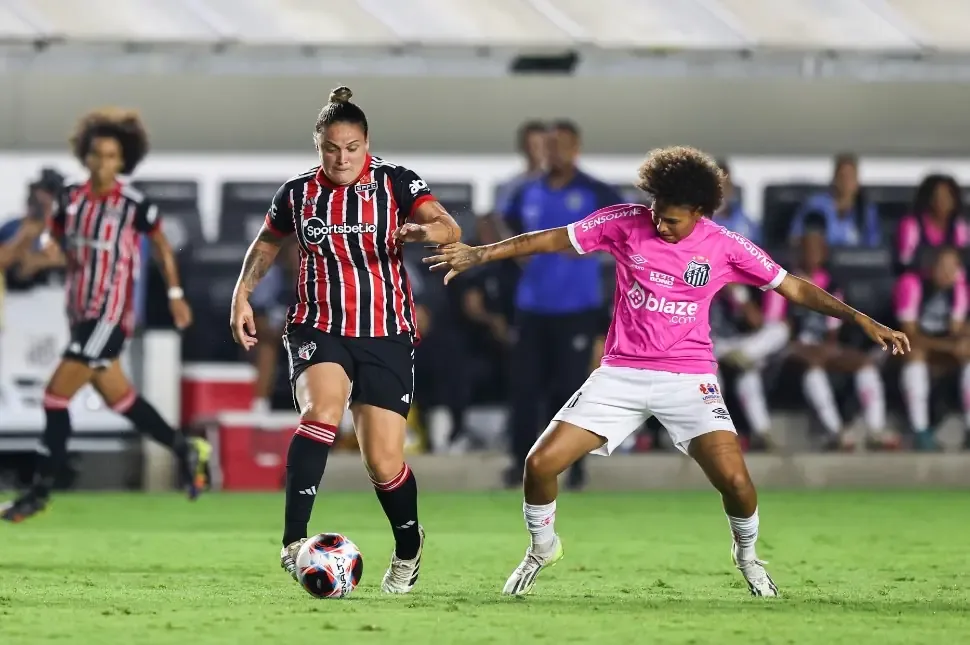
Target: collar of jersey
[[114, 192], [324, 181]]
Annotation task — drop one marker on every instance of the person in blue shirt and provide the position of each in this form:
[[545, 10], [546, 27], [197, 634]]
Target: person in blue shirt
[[731, 215], [531, 144], [558, 298], [850, 219]]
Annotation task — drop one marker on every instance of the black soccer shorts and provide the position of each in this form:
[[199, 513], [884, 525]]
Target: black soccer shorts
[[96, 343], [380, 369]]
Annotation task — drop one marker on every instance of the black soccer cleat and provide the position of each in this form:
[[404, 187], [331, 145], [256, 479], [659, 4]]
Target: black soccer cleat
[[24, 507]]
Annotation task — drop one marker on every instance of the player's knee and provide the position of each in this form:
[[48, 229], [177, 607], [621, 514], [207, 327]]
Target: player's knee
[[540, 463], [384, 466], [916, 355], [738, 486], [327, 412]]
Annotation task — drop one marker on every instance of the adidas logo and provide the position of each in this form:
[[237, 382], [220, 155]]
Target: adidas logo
[[408, 525], [406, 398], [309, 491]]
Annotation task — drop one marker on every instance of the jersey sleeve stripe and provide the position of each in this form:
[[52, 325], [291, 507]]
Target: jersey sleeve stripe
[[420, 200], [571, 231], [774, 284], [272, 229]]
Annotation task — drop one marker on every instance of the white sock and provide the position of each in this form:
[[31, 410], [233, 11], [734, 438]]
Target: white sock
[[751, 392], [540, 520], [440, 426], [915, 381], [745, 531], [818, 391], [965, 393], [868, 386]]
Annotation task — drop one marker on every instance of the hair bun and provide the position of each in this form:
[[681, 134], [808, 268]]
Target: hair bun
[[340, 94]]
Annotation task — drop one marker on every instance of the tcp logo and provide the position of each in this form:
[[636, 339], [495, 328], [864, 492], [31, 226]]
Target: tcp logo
[[315, 230]]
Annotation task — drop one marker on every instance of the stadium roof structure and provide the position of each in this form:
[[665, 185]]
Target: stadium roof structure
[[897, 39]]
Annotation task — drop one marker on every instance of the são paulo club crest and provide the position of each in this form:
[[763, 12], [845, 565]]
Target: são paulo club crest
[[698, 271], [306, 350], [366, 191]]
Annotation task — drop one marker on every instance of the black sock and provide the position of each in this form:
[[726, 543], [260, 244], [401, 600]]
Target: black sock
[[57, 431], [305, 462], [399, 499], [147, 420]]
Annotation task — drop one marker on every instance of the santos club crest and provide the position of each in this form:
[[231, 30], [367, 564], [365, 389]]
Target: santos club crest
[[698, 271]]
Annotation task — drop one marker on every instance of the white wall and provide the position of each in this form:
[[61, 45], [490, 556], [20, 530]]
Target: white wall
[[479, 115], [483, 171]]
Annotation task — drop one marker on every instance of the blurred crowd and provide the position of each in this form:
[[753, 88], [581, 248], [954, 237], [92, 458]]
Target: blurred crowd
[[504, 346]]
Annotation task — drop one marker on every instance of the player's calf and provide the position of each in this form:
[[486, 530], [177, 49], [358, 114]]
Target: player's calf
[[719, 456]]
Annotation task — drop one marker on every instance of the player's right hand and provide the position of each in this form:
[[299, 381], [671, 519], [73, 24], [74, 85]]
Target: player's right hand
[[242, 323], [456, 257]]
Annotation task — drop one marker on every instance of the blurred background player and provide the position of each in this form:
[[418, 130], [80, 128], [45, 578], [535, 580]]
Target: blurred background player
[[816, 348], [746, 339], [99, 224], [731, 214], [270, 300], [558, 299], [657, 353], [937, 220], [352, 333], [532, 146], [850, 218], [931, 307]]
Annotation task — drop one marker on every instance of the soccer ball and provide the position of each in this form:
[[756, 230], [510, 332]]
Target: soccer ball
[[329, 566]]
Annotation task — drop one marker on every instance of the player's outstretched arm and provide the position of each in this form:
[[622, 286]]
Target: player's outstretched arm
[[430, 223], [259, 258], [803, 292], [459, 257]]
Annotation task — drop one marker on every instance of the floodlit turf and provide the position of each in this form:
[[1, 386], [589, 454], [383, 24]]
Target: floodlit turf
[[881, 567]]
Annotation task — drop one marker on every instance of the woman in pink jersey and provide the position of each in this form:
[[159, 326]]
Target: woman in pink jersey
[[937, 220], [670, 262], [817, 349]]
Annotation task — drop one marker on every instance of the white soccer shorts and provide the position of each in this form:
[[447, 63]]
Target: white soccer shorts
[[615, 401]]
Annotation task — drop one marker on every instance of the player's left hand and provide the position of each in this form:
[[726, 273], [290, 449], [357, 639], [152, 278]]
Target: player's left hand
[[181, 313], [412, 232], [884, 336], [456, 257]]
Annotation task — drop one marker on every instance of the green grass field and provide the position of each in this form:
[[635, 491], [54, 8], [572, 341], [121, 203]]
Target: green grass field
[[880, 567]]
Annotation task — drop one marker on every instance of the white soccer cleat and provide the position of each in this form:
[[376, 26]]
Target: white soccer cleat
[[759, 582], [288, 556], [402, 575], [523, 579]]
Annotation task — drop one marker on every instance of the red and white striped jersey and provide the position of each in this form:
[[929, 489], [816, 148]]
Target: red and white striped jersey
[[352, 280], [101, 236]]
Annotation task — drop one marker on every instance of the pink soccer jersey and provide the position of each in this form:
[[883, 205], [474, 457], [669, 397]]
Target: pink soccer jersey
[[933, 312], [909, 237], [663, 290]]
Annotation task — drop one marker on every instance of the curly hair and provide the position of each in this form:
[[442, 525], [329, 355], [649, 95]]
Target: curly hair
[[123, 125], [924, 194], [682, 176]]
